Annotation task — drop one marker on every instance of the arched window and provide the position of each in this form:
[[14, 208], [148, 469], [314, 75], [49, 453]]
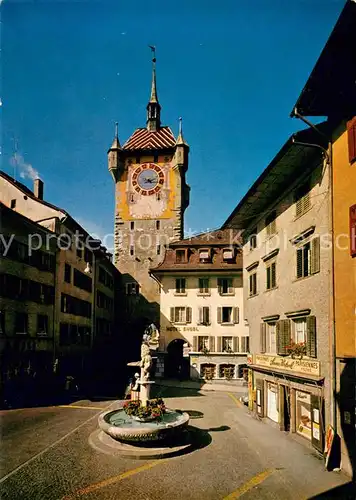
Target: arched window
[[227, 371], [207, 371]]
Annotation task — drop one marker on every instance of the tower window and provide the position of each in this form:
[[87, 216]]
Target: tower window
[[132, 251], [155, 158], [158, 225], [13, 204], [132, 226], [138, 159], [158, 249]]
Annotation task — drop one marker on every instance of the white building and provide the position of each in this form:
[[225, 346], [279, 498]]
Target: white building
[[202, 329]]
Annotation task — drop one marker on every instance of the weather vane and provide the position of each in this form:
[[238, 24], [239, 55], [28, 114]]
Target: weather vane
[[153, 48]]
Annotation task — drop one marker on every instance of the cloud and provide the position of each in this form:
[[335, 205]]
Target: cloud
[[26, 169]]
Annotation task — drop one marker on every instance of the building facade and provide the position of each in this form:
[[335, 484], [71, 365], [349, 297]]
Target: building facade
[[330, 91], [203, 334], [85, 313], [151, 196], [287, 288]]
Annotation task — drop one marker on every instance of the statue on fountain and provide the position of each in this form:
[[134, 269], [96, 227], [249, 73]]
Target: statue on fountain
[[146, 361]]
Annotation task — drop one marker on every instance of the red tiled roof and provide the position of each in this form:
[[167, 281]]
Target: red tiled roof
[[145, 139]]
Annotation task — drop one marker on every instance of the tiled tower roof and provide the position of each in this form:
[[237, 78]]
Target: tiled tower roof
[[142, 138]]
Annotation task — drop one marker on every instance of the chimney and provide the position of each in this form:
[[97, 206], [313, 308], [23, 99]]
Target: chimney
[[38, 188]]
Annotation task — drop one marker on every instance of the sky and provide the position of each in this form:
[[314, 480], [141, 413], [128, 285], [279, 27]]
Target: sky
[[233, 69]]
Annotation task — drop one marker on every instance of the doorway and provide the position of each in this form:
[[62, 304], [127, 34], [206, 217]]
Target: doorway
[[286, 408], [175, 365]]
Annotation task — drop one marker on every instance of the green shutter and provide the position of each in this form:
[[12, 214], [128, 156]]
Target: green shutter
[[235, 344], [219, 285], [283, 330], [315, 256], [311, 336], [263, 328], [188, 313], [212, 344], [218, 344], [236, 314], [219, 318], [300, 263]]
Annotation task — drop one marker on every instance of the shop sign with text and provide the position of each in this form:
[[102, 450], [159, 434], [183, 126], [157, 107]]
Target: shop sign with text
[[182, 329], [307, 366]]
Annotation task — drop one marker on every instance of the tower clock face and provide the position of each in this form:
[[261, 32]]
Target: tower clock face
[[147, 179]]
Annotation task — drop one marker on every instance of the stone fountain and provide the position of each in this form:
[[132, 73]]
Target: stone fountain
[[120, 433]]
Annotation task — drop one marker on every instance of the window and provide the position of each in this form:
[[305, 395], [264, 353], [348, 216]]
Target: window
[[181, 256], [227, 371], [103, 301], [21, 323], [270, 223], [299, 333], [227, 344], [13, 204], [204, 255], [181, 315], [73, 305], [271, 276], [82, 281], [132, 288], [245, 344], [228, 253], [158, 248], [132, 251], [204, 286], [180, 286], [351, 135], [253, 239], [207, 371], [42, 324], [353, 231], [252, 284], [308, 258], [271, 338], [158, 225], [203, 342], [228, 315], [204, 315], [132, 225], [225, 286], [302, 199]]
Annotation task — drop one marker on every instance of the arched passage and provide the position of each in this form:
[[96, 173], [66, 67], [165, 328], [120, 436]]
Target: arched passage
[[176, 366]]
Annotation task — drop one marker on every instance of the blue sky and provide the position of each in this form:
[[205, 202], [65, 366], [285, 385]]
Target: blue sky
[[232, 69]]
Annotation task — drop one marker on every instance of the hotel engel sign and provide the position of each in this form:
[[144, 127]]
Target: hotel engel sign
[[306, 366]]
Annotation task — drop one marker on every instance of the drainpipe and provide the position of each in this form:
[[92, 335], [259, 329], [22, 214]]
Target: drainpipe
[[331, 218]]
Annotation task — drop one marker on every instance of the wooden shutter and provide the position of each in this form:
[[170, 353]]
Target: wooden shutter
[[195, 343], [311, 336], [218, 344], [200, 315], [315, 255], [188, 314], [172, 315], [300, 263], [220, 285], [219, 318], [243, 344], [351, 135], [212, 344], [206, 315], [236, 315], [235, 344], [263, 330], [353, 231], [283, 330], [230, 288]]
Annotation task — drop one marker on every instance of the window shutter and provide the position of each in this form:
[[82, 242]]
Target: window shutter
[[235, 344], [273, 275], [353, 231], [263, 328], [299, 263], [219, 315], [283, 330], [268, 278], [236, 315], [351, 135], [172, 314], [218, 344], [219, 285], [315, 256], [188, 313], [195, 343], [299, 207], [201, 315], [229, 285], [212, 344], [207, 315], [311, 336]]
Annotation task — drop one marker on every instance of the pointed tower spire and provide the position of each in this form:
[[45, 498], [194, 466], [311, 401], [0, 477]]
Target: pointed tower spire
[[116, 143], [153, 107], [180, 139]]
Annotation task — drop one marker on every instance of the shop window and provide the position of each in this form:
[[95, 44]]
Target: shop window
[[180, 286], [303, 414], [272, 402], [207, 371]]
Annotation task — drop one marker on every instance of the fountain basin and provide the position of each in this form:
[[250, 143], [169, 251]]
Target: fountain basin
[[122, 427]]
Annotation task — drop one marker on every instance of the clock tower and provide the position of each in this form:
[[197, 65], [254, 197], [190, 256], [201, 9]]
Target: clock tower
[[151, 196]]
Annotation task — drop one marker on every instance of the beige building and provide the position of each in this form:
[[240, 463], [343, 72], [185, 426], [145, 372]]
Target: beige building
[[202, 334], [85, 281], [287, 287]]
